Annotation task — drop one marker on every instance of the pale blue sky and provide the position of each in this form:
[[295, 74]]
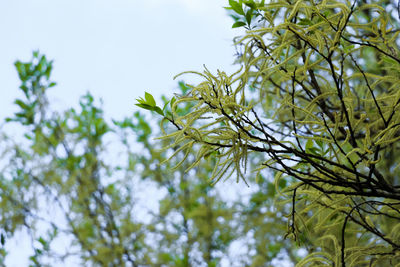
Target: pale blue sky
[[115, 49]]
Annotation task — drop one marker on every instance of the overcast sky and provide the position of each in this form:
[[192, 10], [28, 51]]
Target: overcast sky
[[116, 49]]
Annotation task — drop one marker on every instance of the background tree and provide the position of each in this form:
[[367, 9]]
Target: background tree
[[62, 161], [317, 96]]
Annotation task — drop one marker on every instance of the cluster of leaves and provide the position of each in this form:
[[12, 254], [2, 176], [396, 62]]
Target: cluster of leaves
[[244, 12], [150, 104], [318, 97]]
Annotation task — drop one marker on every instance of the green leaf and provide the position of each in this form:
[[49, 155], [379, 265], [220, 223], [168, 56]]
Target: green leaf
[[237, 7], [141, 100], [150, 99], [282, 183], [159, 111], [21, 104], [384, 58], [145, 106], [152, 108], [309, 145], [42, 241], [2, 239], [305, 21], [235, 18], [48, 70], [165, 105], [251, 4], [320, 143], [238, 24], [172, 102], [311, 149], [184, 88], [249, 15], [211, 153]]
